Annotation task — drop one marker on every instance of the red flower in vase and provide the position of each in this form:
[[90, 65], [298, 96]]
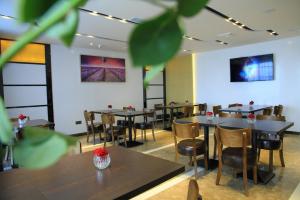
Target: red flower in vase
[[251, 116], [251, 103], [101, 152], [22, 117], [209, 114], [130, 107], [109, 106]]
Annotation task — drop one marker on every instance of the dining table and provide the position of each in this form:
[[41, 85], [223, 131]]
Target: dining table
[[258, 127], [129, 115], [75, 177], [245, 108]]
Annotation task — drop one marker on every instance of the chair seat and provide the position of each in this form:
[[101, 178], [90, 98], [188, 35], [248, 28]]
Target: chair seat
[[269, 144], [117, 130], [97, 127], [143, 125], [233, 156], [122, 123], [185, 147]]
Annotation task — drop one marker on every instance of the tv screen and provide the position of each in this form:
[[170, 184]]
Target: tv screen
[[254, 68]]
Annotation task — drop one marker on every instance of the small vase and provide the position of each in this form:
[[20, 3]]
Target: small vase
[[101, 162], [209, 117], [21, 122], [251, 121]]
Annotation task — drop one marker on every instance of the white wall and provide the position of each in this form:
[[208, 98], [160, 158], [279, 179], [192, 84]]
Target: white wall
[[71, 96], [214, 86]]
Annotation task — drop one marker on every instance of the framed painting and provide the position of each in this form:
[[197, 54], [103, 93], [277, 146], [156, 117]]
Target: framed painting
[[102, 69]]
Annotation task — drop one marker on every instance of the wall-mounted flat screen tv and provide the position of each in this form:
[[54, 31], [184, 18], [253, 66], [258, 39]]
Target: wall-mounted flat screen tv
[[254, 68]]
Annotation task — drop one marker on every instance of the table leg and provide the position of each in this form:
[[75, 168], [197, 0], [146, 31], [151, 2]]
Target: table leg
[[130, 142], [212, 163]]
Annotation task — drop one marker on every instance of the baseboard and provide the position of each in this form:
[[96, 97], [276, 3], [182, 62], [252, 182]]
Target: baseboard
[[292, 132], [78, 134]]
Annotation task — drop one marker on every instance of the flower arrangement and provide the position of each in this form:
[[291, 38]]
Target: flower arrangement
[[251, 118], [251, 103], [209, 115], [101, 158], [22, 120], [109, 106]]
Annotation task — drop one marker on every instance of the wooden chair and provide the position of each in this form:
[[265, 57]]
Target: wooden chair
[[237, 154], [108, 121], [227, 115], [269, 142], [124, 122], [76, 149], [267, 111], [189, 145], [91, 126], [160, 114], [278, 110], [234, 105], [149, 123], [202, 108], [216, 110], [230, 115], [193, 192], [188, 111]]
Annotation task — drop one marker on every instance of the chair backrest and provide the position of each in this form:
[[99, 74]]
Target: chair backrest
[[216, 109], [88, 116], [202, 108], [270, 117], [193, 192], [267, 111], [234, 137], [108, 118], [278, 110], [230, 115], [188, 111], [234, 105], [185, 130], [158, 106]]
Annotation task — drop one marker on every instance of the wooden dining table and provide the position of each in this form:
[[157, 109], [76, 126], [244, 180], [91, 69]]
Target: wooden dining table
[[75, 177], [129, 115], [258, 127], [245, 108]]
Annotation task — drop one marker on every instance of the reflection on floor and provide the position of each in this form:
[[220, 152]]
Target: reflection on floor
[[281, 187]]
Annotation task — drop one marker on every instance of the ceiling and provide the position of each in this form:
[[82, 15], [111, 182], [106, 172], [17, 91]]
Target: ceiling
[[259, 15]]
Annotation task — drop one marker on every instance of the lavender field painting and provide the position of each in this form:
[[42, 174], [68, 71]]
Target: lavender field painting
[[102, 69]]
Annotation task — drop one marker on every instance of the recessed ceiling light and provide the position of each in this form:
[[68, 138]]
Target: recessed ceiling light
[[227, 35], [99, 46], [109, 17], [91, 44], [90, 36], [123, 21], [6, 17], [78, 34]]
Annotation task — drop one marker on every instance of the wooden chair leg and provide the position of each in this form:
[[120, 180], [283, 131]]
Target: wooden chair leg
[[195, 167], [219, 174], [255, 174], [153, 134], [87, 136], [245, 180], [205, 162], [145, 135], [105, 138], [281, 154], [142, 135], [94, 138], [134, 132], [258, 155]]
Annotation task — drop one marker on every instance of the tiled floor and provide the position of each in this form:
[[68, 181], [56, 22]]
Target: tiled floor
[[281, 187]]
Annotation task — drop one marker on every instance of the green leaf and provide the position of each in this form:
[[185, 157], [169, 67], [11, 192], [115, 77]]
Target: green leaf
[[66, 29], [5, 125], [41, 148], [189, 8], [31, 10], [156, 41], [154, 70]]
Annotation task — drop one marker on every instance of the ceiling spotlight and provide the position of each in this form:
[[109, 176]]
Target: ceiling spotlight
[[94, 13], [109, 17], [6, 17], [90, 36], [184, 50], [99, 46], [91, 44], [78, 34], [123, 21]]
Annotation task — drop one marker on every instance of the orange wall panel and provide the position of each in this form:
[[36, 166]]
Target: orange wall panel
[[32, 53]]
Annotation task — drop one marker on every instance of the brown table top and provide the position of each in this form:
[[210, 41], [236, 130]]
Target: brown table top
[[259, 125], [107, 111], [245, 108], [178, 105], [75, 177], [123, 113]]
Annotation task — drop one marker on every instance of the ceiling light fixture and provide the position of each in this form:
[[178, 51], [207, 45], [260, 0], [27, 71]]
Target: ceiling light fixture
[[90, 36], [94, 13], [123, 21], [6, 17], [91, 44], [78, 34], [221, 42], [109, 17], [271, 32], [99, 46]]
